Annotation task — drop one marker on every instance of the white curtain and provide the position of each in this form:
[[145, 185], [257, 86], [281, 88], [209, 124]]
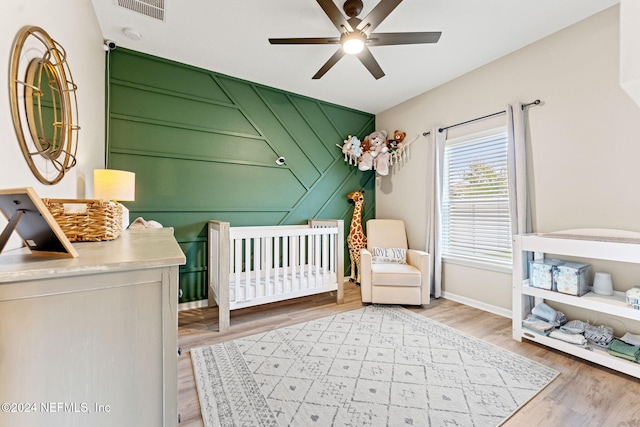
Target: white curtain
[[518, 191], [434, 203], [517, 170], [519, 200]]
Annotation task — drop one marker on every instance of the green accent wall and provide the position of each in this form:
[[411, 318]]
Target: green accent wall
[[204, 146]]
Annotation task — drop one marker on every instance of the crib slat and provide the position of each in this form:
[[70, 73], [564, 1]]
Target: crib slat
[[247, 267], [333, 254], [293, 251], [317, 254], [257, 244], [285, 264], [267, 257], [310, 258], [302, 259], [237, 268], [325, 254], [276, 265]]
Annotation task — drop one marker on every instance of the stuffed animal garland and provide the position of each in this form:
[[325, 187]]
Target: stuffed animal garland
[[374, 152]]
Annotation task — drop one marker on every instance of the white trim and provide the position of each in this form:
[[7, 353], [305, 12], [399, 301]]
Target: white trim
[[477, 304], [193, 304]]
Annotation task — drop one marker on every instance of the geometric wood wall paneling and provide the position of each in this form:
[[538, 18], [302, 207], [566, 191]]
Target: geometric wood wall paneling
[[203, 146]]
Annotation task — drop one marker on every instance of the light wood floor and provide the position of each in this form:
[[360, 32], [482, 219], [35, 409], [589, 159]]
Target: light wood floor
[[582, 395]]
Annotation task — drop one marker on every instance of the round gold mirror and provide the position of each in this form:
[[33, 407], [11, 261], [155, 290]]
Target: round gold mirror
[[43, 104]]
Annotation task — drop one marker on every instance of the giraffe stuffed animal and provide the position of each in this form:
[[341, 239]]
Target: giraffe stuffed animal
[[356, 239]]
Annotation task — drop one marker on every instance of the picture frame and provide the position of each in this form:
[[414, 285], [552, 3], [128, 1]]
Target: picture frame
[[29, 217]]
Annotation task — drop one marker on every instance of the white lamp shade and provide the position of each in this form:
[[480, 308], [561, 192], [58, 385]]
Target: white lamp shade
[[111, 184]]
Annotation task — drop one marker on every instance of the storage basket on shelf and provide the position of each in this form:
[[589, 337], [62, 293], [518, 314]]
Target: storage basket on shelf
[[633, 297], [573, 278], [87, 220], [541, 273]]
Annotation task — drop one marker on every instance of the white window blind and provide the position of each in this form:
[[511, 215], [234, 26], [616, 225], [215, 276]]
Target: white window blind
[[476, 224]]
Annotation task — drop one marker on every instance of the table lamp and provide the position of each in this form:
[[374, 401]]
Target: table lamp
[[115, 185]]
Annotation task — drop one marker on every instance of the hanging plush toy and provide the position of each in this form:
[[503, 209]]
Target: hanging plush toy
[[356, 148], [377, 146], [397, 146], [346, 148], [351, 150], [396, 143]]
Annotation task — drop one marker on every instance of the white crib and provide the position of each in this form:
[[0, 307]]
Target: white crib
[[250, 266]]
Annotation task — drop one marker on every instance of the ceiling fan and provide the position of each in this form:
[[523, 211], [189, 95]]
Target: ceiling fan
[[356, 34]]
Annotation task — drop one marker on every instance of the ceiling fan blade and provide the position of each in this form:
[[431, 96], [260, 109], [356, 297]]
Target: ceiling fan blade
[[330, 63], [370, 63], [335, 15], [306, 40], [387, 39], [377, 15]]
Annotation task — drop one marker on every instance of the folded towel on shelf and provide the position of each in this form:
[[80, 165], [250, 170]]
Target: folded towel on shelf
[[577, 339], [544, 312], [624, 350], [630, 338], [598, 335], [536, 325], [543, 333], [622, 356], [573, 327]]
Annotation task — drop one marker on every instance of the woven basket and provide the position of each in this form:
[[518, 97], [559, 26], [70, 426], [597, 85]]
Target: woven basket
[[87, 220]]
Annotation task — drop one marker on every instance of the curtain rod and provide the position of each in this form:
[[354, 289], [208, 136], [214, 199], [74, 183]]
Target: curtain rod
[[536, 102]]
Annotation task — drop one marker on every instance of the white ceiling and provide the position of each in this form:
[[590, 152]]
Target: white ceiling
[[230, 37]]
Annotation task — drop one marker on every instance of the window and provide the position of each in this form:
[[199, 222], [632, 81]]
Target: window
[[476, 223]]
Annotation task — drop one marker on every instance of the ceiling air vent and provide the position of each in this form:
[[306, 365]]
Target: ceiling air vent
[[151, 8]]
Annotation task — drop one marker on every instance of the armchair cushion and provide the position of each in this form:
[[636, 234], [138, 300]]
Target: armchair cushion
[[395, 275], [389, 255]]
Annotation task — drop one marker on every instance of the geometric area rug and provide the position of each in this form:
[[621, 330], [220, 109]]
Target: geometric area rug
[[375, 366]]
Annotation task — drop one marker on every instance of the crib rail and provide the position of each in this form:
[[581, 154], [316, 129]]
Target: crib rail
[[256, 265], [270, 262]]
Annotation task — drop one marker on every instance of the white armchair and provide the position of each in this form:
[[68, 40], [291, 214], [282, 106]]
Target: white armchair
[[384, 277]]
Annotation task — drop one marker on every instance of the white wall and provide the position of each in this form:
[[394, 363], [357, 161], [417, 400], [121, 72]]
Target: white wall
[[584, 140], [73, 24], [629, 46]]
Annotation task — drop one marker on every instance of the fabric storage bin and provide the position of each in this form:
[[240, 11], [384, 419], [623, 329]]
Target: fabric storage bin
[[541, 273], [573, 278], [633, 297]]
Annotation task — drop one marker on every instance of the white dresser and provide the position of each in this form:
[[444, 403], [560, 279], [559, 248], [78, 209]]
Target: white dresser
[[92, 340]]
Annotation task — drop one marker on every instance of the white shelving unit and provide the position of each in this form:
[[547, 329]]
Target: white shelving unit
[[613, 245]]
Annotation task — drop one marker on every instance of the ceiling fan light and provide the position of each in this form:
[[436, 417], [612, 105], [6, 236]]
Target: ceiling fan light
[[353, 44]]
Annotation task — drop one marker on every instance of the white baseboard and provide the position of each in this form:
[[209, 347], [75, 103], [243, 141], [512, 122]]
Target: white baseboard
[[193, 304], [478, 304]]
